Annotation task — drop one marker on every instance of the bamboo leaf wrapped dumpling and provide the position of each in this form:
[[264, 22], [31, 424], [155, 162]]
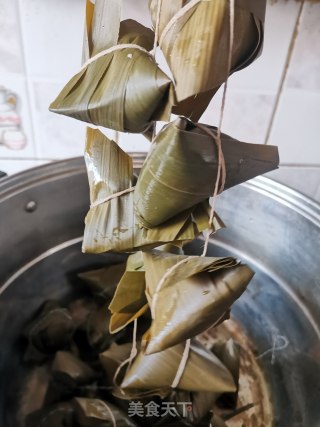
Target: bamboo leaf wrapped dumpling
[[195, 38], [98, 413], [182, 165], [123, 89], [193, 297], [110, 223], [203, 371], [203, 402]]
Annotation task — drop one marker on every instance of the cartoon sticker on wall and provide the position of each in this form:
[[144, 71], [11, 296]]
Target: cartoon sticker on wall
[[11, 132]]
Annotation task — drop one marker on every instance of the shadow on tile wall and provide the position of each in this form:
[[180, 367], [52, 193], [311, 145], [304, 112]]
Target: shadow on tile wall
[[276, 100]]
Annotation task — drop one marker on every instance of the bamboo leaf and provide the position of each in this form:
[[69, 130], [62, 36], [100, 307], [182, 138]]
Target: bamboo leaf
[[182, 165], [203, 371], [112, 225], [192, 298], [124, 89], [194, 37]]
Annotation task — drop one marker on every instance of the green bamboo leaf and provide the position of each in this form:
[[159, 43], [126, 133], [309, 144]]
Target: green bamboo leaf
[[182, 165], [195, 39], [112, 225], [203, 371], [124, 89], [192, 298]]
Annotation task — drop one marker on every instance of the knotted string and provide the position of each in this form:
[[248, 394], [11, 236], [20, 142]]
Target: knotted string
[[128, 361]]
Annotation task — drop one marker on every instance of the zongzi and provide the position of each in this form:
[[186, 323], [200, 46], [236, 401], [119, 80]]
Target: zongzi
[[181, 169]]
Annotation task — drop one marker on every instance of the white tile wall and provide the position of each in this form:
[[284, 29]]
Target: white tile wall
[[252, 91], [40, 49], [52, 32], [266, 72], [296, 125], [11, 52], [246, 116], [304, 71], [57, 136]]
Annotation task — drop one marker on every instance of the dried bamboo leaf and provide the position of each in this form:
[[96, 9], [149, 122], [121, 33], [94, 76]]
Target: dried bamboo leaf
[[181, 170], [103, 281], [97, 413], [129, 302], [65, 364], [112, 225], [124, 89], [97, 329], [51, 330], [59, 415], [203, 371], [194, 296], [112, 358], [229, 353], [217, 421], [195, 39], [80, 310], [69, 374], [201, 403]]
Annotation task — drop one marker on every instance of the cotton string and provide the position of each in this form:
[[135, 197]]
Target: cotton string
[[156, 31], [111, 50], [218, 136], [221, 170], [133, 353], [112, 196]]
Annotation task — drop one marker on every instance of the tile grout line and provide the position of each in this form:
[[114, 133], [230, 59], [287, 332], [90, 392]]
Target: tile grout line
[[285, 72], [30, 93]]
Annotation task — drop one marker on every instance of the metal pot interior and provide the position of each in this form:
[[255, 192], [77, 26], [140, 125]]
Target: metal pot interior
[[269, 227]]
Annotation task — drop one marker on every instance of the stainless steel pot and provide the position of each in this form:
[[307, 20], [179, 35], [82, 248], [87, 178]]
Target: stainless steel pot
[[272, 228]]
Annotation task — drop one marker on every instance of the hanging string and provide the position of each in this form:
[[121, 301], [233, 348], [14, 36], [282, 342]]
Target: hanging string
[[221, 173], [157, 28], [182, 365], [217, 137], [133, 353]]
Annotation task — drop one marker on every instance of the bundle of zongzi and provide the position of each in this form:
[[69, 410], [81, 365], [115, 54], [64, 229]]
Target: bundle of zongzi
[[181, 169], [194, 36], [121, 87], [193, 297]]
